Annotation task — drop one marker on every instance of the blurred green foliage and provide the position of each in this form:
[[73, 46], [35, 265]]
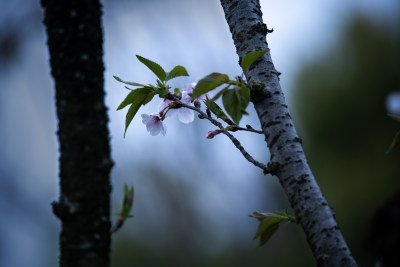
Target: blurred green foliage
[[340, 107]]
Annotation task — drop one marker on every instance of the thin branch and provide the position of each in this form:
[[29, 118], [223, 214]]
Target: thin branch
[[237, 127], [236, 142]]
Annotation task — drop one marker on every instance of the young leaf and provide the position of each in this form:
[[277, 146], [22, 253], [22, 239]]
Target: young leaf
[[215, 109], [149, 97], [133, 109], [209, 83], [217, 95], [267, 229], [395, 117], [395, 142], [133, 95], [236, 101], [177, 91], [250, 57], [130, 83], [177, 71], [139, 100], [127, 204], [269, 223], [154, 67], [127, 201]]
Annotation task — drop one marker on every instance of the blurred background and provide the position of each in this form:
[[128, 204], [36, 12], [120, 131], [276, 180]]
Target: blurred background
[[341, 76]]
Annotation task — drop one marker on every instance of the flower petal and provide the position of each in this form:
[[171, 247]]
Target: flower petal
[[189, 87], [185, 115], [186, 97], [163, 128], [153, 128], [146, 118], [154, 124]]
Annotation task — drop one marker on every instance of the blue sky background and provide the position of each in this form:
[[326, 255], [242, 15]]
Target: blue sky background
[[189, 33]]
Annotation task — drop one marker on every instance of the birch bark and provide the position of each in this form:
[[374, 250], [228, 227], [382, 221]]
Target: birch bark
[[287, 160]]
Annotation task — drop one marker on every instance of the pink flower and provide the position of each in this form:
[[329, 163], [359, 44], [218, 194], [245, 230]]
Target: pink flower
[[185, 115], [165, 104], [154, 124]]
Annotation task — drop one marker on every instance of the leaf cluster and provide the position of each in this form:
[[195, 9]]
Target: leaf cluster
[[235, 94], [269, 224], [126, 207], [145, 93], [396, 140]]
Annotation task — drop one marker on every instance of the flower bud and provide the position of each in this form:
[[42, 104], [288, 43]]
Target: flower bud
[[211, 134], [208, 112], [197, 103]]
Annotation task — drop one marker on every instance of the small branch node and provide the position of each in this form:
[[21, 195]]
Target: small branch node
[[273, 167]]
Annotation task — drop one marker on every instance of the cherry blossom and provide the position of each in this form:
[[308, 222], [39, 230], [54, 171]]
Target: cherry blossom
[[185, 115], [154, 124]]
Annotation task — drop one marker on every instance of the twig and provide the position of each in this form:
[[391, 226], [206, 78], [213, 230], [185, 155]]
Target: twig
[[236, 142], [237, 127]]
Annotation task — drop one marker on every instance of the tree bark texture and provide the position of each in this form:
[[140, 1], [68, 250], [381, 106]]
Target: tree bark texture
[[288, 161], [76, 57]]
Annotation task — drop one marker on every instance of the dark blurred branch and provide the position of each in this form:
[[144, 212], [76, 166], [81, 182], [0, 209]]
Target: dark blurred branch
[[76, 57], [17, 26]]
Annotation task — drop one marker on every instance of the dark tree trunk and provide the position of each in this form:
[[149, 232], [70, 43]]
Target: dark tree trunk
[[287, 157], [76, 57]]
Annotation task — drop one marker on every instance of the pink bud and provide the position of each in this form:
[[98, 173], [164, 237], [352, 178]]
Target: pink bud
[[211, 134]]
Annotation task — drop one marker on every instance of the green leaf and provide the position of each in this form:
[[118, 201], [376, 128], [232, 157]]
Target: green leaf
[[209, 83], [130, 83], [177, 71], [177, 91], [395, 142], [133, 109], [149, 97], [215, 109], [124, 213], [269, 224], [236, 101], [130, 98], [216, 96], [395, 117], [154, 67], [250, 58], [127, 202], [136, 98], [267, 229]]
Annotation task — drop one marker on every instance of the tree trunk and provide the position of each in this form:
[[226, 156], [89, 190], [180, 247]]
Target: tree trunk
[[314, 214], [76, 57]]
